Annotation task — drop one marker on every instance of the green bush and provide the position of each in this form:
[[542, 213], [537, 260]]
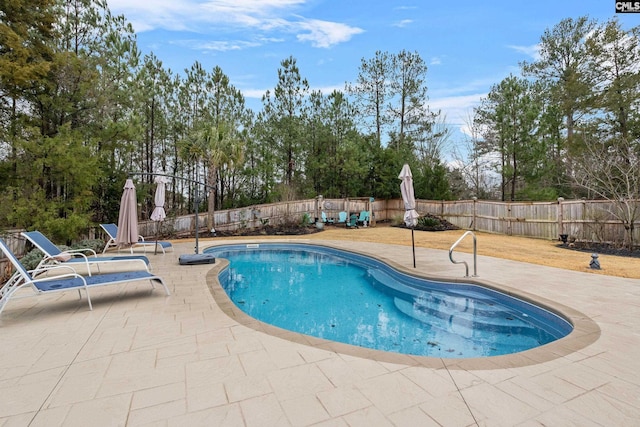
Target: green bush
[[32, 259], [306, 220], [397, 220], [95, 244], [427, 221]]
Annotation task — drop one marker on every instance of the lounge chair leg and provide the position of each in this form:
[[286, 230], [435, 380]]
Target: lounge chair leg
[[162, 283], [88, 298]]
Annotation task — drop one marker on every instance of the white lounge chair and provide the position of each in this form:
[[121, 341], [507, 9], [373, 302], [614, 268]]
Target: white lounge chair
[[61, 278], [112, 232], [86, 256]]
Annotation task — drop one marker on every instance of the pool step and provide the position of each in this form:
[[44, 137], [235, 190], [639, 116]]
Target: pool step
[[465, 324]]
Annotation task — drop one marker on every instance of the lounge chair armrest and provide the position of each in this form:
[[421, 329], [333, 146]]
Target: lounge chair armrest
[[53, 267], [81, 251], [61, 276], [64, 256], [140, 238]]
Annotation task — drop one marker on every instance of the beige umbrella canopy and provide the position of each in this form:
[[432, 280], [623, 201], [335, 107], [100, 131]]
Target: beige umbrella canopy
[[408, 197], [410, 214], [158, 213], [128, 216]]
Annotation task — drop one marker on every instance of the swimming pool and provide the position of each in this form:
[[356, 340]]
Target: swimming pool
[[354, 299]]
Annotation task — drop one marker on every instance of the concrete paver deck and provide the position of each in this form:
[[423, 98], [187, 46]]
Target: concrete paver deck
[[144, 358]]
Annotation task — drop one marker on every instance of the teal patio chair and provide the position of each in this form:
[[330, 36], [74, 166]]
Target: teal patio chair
[[364, 217], [327, 220]]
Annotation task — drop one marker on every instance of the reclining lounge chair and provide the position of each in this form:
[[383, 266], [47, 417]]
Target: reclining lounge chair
[[53, 254], [42, 282], [112, 232]]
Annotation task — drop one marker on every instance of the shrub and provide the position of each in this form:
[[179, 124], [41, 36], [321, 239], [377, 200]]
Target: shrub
[[428, 222], [95, 244], [32, 259], [397, 220], [306, 220]]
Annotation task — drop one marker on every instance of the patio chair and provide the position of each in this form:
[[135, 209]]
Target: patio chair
[[342, 217], [112, 232], [353, 221], [42, 282], [86, 256], [364, 217], [327, 220]]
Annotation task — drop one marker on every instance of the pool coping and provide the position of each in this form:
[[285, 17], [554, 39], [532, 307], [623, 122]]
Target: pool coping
[[585, 330]]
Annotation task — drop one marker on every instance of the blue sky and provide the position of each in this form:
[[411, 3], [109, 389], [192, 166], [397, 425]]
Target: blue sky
[[468, 45]]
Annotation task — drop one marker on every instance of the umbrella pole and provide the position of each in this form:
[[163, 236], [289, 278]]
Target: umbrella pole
[[413, 246], [197, 202], [155, 248]]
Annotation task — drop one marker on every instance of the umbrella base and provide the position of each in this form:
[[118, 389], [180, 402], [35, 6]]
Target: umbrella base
[[195, 259]]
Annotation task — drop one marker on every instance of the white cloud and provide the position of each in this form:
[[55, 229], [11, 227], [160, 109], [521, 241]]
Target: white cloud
[[219, 46], [403, 23], [531, 51], [457, 109], [326, 34], [259, 19]]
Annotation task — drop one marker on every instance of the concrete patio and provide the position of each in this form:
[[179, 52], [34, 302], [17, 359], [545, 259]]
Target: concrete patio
[[142, 358]]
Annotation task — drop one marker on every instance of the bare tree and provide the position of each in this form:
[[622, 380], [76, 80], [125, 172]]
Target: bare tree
[[612, 172], [474, 165]]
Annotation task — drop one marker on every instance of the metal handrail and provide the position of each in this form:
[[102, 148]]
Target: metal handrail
[[475, 271]]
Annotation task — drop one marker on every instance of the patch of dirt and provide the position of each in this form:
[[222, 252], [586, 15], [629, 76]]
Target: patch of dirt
[[600, 248], [431, 222], [271, 230]]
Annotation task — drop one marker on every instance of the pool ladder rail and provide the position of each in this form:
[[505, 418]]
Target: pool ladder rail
[[475, 252]]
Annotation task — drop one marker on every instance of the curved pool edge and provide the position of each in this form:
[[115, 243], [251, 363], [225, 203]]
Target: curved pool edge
[[585, 330]]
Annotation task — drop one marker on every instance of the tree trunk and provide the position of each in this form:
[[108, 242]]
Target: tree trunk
[[211, 183]]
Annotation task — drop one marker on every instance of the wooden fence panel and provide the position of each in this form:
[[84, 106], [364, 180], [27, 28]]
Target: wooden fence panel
[[580, 219]]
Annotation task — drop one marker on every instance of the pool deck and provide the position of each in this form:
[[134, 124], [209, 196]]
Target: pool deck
[[189, 359]]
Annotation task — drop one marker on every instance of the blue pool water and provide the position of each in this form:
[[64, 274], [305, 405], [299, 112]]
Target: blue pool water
[[354, 299]]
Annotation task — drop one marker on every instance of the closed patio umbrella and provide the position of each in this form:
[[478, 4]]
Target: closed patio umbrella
[[158, 213], [128, 216], [409, 199]]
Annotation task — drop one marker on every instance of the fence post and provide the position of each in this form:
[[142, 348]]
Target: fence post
[[475, 208], [372, 217], [584, 218], [561, 219], [318, 208]]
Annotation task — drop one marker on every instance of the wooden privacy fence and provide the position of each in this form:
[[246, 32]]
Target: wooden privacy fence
[[589, 220], [294, 212]]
